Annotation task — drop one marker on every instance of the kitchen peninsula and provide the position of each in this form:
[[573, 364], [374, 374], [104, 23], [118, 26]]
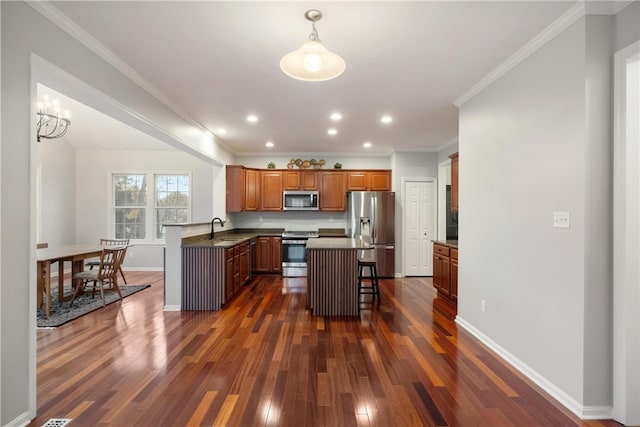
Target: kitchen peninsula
[[333, 275]]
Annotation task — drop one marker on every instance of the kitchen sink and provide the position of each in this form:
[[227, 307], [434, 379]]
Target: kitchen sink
[[231, 239]]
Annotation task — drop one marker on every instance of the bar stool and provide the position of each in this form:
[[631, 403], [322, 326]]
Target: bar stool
[[373, 288]]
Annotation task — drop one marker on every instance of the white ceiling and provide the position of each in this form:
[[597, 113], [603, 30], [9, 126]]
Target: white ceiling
[[219, 61]]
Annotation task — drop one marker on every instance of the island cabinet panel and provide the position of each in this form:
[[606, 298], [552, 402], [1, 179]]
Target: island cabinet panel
[[332, 282], [332, 191], [203, 278], [269, 255], [271, 190]]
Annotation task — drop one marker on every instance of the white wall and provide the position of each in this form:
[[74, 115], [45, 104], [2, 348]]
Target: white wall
[[408, 165], [532, 143], [56, 165], [26, 32], [93, 187]]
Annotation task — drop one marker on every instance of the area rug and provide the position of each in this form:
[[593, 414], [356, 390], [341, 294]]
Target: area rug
[[61, 313]]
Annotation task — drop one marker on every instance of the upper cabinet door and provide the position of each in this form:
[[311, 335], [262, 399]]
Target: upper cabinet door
[[332, 191], [291, 180], [271, 190], [309, 180], [380, 180], [357, 180], [235, 188], [252, 190]]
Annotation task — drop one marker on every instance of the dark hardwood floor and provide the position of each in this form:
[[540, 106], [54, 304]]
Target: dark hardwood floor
[[264, 360]]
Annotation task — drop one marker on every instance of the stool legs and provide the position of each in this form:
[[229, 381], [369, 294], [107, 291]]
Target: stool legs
[[373, 289]]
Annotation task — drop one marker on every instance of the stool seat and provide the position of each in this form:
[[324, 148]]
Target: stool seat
[[373, 288]]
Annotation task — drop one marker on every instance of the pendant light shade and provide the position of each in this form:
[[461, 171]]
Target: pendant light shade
[[312, 62]]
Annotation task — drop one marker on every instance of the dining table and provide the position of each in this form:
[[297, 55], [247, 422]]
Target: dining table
[[76, 254]]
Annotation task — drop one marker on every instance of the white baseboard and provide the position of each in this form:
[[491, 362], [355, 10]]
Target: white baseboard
[[21, 420], [172, 308], [584, 412]]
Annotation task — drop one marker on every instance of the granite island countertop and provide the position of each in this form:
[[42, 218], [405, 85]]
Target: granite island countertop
[[453, 244], [337, 243], [230, 238]]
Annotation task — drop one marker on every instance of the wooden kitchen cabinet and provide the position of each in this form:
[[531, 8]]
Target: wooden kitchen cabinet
[[270, 190], [358, 180], [229, 275], [380, 180], [454, 182], [441, 269], [269, 255], [242, 189], [454, 275], [368, 180], [245, 263], [252, 190], [300, 180], [332, 190]]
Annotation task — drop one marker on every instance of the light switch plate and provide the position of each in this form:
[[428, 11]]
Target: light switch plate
[[561, 220]]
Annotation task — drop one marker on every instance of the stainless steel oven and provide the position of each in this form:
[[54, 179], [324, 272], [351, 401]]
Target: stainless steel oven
[[294, 252]]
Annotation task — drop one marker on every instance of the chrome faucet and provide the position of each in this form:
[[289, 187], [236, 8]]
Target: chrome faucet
[[212, 222]]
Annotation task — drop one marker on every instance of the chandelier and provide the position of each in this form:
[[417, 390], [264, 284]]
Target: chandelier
[[312, 62], [51, 124]]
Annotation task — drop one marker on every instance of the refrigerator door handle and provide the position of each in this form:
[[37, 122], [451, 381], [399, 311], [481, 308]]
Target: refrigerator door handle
[[374, 220]]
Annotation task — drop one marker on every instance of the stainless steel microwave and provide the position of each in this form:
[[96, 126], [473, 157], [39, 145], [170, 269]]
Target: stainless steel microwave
[[300, 200]]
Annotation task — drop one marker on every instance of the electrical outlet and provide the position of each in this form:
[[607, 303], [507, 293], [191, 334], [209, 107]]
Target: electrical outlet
[[561, 220], [483, 305]]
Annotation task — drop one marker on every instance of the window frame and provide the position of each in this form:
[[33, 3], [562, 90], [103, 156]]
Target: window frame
[[150, 206]]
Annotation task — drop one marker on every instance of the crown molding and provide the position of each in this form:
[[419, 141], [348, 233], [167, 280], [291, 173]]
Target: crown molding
[[599, 7], [564, 21], [54, 15]]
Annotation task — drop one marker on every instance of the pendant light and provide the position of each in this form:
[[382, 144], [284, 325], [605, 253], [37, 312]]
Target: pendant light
[[312, 62]]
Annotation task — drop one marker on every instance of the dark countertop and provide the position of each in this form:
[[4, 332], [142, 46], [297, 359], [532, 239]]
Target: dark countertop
[[337, 243], [453, 244], [230, 238]]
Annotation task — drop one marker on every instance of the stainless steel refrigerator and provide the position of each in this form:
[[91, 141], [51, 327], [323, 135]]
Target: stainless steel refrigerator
[[371, 215]]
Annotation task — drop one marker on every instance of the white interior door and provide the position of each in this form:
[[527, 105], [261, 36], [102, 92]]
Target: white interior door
[[420, 226]]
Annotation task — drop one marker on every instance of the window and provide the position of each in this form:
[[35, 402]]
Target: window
[[130, 201], [172, 201], [139, 211]]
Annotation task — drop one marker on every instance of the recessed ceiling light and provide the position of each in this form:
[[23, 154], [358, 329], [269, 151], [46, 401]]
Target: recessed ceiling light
[[221, 131], [332, 131], [367, 144], [386, 119], [269, 144], [252, 118], [336, 117]]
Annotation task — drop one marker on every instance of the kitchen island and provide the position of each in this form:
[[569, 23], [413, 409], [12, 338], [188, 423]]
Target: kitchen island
[[332, 277]]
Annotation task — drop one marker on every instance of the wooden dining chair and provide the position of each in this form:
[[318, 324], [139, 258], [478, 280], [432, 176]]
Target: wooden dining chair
[[106, 275], [111, 242]]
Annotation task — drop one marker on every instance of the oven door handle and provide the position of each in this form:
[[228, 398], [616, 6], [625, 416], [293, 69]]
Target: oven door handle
[[294, 242]]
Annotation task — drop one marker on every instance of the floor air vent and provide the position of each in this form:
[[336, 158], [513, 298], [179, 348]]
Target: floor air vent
[[57, 422]]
